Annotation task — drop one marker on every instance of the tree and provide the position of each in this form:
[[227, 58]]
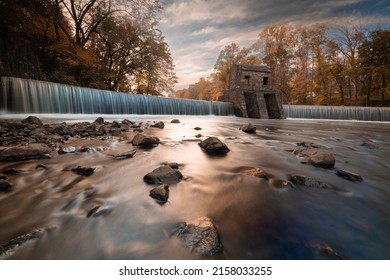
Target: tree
[[374, 58]]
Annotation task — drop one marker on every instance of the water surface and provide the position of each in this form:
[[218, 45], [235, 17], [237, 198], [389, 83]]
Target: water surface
[[256, 218]]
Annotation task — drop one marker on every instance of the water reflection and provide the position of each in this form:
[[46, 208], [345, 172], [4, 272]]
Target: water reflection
[[109, 215]]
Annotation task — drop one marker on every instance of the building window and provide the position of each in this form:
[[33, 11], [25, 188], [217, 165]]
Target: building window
[[265, 81], [246, 79]]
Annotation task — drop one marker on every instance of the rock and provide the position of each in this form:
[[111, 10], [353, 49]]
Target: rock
[[198, 135], [163, 175], [125, 155], [67, 150], [4, 185], [158, 125], [175, 121], [213, 145], [248, 128], [309, 145], [83, 171], [33, 120], [140, 130], [31, 151], [143, 141], [198, 128], [349, 175], [3, 177], [369, 144], [99, 120], [308, 182], [254, 171], [160, 193], [200, 236], [317, 157], [61, 129], [325, 250], [41, 167], [173, 165]]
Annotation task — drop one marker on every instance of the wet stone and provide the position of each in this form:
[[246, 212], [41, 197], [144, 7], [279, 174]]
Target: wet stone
[[99, 120], [308, 182], [158, 125], [248, 128], [83, 171], [317, 157], [32, 120], [349, 175], [41, 167], [67, 150], [143, 141], [213, 145], [5, 186], [31, 151], [125, 155], [198, 135], [163, 175], [160, 193], [198, 128], [200, 236], [175, 121]]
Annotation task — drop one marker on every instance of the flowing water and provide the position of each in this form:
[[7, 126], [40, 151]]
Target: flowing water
[[256, 218]]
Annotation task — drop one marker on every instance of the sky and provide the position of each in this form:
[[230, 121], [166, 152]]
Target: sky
[[197, 30]]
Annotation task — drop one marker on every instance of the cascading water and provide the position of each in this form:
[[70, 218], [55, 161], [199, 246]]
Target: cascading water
[[30, 96], [337, 112]]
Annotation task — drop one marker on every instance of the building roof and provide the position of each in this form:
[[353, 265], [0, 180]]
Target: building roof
[[262, 68]]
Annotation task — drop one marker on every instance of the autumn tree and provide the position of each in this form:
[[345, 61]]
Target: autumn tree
[[374, 59]]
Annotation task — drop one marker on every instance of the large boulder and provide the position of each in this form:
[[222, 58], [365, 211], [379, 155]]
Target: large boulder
[[163, 175], [200, 236], [317, 157], [213, 145], [31, 151], [143, 141]]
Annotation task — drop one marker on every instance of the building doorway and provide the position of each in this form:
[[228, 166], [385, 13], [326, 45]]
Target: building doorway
[[272, 106], [252, 105]]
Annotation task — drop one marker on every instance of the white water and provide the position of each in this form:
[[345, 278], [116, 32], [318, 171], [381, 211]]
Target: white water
[[31, 96]]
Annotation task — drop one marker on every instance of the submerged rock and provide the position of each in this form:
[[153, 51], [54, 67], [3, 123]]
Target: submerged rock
[[254, 171], [158, 125], [143, 141], [200, 236], [160, 193], [248, 128], [308, 182], [125, 155], [213, 145], [4, 185], [83, 171], [317, 157], [369, 144], [163, 175], [349, 175], [31, 151]]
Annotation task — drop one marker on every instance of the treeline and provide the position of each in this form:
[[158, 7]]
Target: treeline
[[322, 64], [106, 44]]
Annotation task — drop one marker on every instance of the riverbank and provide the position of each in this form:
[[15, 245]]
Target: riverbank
[[255, 196]]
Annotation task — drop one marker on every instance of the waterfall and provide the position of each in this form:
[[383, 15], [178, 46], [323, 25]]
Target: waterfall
[[30, 96], [337, 112]]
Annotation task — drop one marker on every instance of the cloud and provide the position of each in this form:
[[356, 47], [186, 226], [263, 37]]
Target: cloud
[[204, 31], [197, 30]]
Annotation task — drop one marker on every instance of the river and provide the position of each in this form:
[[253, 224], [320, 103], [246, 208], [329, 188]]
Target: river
[[255, 218]]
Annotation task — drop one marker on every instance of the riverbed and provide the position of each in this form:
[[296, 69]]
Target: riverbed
[[256, 218]]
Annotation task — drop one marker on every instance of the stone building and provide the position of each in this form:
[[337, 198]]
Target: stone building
[[250, 91]]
